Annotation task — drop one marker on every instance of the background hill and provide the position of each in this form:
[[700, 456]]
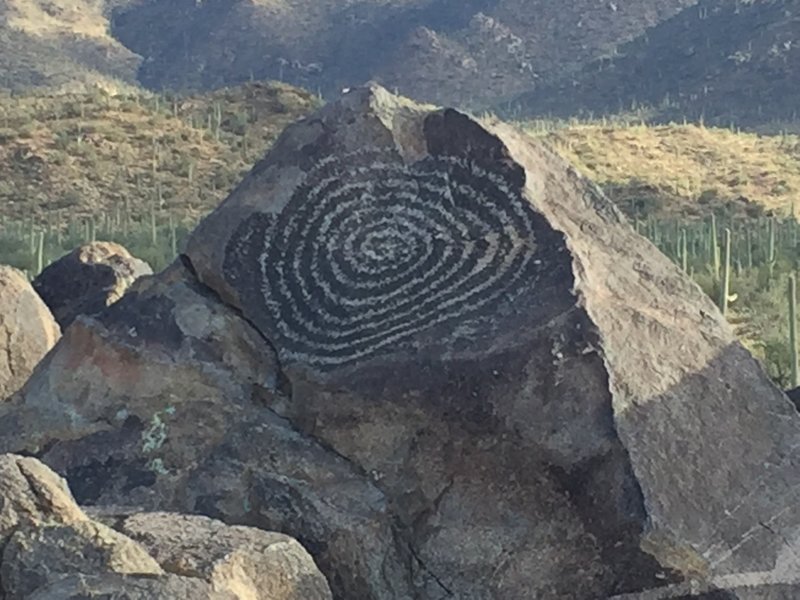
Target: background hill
[[722, 61], [63, 45], [470, 52]]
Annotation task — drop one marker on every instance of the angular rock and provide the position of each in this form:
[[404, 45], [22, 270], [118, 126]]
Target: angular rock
[[50, 549], [88, 279], [30, 495], [34, 558], [44, 534], [27, 330], [432, 352], [247, 561], [176, 418], [121, 587]]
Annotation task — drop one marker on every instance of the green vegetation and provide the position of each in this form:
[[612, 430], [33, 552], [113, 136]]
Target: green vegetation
[[761, 259], [157, 239]]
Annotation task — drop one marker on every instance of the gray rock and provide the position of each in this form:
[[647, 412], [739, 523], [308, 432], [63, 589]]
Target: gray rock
[[34, 557], [50, 549], [432, 352], [253, 563], [121, 587], [88, 279], [27, 330], [30, 495]]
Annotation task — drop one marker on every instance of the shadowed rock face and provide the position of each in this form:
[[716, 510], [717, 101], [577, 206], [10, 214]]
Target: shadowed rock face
[[433, 353], [27, 330], [87, 280]]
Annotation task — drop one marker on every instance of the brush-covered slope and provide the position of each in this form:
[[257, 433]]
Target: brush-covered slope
[[686, 170], [84, 154]]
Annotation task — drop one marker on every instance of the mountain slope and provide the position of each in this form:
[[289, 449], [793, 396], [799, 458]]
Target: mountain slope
[[62, 44], [724, 61], [88, 154], [469, 52], [684, 170]]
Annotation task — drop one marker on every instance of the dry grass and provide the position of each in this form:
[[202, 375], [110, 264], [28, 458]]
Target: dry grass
[[76, 17], [687, 169]]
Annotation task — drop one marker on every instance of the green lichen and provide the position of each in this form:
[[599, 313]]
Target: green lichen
[[153, 437]]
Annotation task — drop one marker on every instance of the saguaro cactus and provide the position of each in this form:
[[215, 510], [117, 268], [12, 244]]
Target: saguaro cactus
[[714, 247], [795, 379], [725, 287]]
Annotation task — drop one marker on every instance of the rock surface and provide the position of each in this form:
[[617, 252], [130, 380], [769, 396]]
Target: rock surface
[[122, 587], [244, 560], [88, 279], [27, 330], [49, 548], [426, 348]]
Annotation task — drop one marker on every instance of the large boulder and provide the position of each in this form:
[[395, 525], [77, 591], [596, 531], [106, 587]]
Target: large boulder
[[436, 355], [27, 330], [88, 279]]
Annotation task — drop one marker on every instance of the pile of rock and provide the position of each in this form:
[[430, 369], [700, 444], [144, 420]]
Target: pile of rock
[[51, 550]]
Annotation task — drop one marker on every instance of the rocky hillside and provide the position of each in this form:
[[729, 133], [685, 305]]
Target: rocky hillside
[[683, 170], [721, 61], [467, 51], [61, 44], [83, 154]]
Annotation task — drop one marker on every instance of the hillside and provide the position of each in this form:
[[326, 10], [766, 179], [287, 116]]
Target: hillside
[[63, 45], [469, 52], [683, 170], [721, 61], [89, 154]]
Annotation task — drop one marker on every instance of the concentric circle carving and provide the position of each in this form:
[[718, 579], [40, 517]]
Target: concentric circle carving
[[371, 252]]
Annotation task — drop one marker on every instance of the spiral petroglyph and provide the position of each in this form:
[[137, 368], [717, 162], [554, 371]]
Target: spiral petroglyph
[[371, 252]]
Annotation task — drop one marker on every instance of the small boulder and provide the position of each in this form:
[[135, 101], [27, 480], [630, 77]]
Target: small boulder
[[30, 495], [88, 279], [44, 534], [35, 557], [255, 564], [27, 330]]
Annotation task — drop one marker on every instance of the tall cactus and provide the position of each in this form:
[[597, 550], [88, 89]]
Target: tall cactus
[[714, 247], [795, 380], [684, 252], [725, 288], [771, 253]]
